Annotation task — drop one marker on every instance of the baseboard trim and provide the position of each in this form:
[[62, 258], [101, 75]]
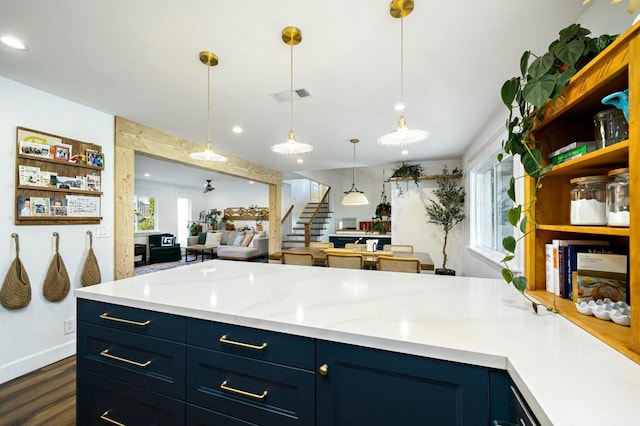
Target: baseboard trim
[[25, 365]]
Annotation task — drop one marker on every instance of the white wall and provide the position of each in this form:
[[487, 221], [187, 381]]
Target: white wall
[[409, 221], [33, 336]]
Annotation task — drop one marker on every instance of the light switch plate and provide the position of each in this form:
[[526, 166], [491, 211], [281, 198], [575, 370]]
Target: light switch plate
[[102, 231]]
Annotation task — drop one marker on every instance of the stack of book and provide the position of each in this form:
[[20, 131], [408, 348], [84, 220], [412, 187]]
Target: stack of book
[[571, 151]]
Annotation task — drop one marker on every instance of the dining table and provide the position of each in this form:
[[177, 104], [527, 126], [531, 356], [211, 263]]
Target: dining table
[[370, 258]]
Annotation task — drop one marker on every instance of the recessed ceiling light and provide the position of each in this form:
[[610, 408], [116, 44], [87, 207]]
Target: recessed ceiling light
[[251, 182], [147, 175], [300, 161], [399, 106], [236, 129], [404, 152], [13, 42]]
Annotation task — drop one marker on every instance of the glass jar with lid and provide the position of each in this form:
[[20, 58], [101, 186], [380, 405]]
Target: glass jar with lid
[[589, 200], [618, 198]]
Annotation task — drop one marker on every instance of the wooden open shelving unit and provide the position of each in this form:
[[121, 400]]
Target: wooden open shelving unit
[[568, 119], [60, 168]]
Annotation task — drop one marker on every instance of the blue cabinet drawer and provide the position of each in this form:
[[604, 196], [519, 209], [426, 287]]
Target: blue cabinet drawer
[[148, 362], [251, 390], [100, 398], [202, 416], [264, 345], [141, 321]]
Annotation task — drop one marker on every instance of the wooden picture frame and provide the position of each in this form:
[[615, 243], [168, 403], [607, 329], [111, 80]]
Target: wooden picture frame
[[62, 153]]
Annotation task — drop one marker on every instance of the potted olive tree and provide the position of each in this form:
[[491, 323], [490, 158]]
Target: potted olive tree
[[446, 210]]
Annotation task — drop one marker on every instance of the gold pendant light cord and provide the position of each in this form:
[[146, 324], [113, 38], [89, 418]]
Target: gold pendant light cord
[[402, 62], [291, 92], [353, 174], [208, 106]]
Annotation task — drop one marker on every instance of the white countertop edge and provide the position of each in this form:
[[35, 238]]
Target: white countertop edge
[[495, 361]]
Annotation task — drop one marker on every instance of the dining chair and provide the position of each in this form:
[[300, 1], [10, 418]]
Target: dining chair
[[398, 247], [398, 264], [356, 247], [345, 260], [295, 258], [320, 244]]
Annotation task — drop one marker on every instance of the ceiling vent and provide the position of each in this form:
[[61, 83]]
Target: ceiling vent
[[284, 96]]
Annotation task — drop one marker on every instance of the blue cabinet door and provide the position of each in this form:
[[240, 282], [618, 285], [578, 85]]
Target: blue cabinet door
[[372, 387]]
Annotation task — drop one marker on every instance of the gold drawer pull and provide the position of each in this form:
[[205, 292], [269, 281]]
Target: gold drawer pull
[[126, 321], [107, 419], [223, 339], [224, 386], [106, 353]]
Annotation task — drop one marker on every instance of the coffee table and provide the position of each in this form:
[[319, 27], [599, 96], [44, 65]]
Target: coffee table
[[198, 248]]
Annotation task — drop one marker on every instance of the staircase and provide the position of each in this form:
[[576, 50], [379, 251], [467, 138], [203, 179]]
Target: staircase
[[318, 227]]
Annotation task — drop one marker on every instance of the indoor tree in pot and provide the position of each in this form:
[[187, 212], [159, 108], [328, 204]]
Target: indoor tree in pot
[[447, 210]]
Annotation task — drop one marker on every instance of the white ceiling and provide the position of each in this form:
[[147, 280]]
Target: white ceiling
[[139, 60]]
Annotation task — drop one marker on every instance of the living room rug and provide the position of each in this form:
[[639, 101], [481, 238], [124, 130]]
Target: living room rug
[[154, 267]]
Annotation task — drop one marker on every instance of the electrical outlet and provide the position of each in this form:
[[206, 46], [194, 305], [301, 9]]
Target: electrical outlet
[[70, 326]]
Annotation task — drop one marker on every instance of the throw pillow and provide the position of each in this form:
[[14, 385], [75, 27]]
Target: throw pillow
[[247, 239], [167, 241], [231, 237], [238, 239], [202, 237], [225, 237], [213, 239]]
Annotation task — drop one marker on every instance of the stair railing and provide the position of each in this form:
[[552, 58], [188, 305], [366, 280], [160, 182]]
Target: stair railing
[[286, 224], [307, 226]]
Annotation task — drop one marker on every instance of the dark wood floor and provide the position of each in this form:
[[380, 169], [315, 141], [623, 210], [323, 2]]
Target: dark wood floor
[[43, 397]]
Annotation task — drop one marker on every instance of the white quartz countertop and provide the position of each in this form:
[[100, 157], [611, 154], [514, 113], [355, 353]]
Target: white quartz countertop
[[567, 376]]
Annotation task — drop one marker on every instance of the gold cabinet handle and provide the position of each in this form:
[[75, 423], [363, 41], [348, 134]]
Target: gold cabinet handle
[[126, 321], [224, 386], [107, 419], [106, 354], [224, 339], [323, 370]]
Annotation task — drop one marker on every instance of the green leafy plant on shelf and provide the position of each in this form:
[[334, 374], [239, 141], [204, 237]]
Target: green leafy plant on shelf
[[407, 172], [541, 80], [194, 229]]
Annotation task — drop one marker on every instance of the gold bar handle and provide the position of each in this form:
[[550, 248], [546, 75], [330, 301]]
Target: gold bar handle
[[126, 321], [106, 354], [224, 386], [107, 419], [224, 339]]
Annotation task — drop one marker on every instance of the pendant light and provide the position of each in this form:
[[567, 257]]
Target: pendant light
[[354, 197], [291, 36], [402, 136], [210, 59]]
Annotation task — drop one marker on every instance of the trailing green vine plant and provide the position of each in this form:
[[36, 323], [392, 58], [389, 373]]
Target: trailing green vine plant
[[541, 80], [407, 171]]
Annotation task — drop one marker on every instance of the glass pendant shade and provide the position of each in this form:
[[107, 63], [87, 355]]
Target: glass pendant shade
[[403, 135], [354, 197], [292, 146], [207, 155], [210, 59]]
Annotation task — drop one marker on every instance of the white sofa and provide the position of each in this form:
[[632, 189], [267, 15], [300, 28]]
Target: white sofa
[[258, 247]]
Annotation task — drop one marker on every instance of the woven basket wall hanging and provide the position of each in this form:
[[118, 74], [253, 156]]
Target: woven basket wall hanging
[[91, 270], [56, 282], [16, 288]]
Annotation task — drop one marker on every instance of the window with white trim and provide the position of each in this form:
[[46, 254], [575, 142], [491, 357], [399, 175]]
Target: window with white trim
[[489, 225], [144, 210]]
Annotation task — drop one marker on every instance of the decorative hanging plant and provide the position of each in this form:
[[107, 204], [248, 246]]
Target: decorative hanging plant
[[405, 172], [541, 80]]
